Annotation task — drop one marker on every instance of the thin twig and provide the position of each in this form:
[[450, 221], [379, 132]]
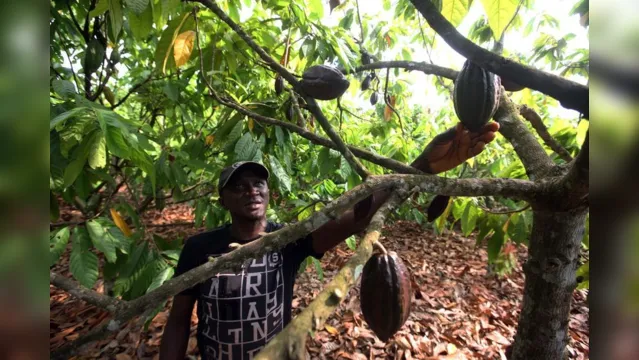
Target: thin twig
[[538, 124], [387, 101]]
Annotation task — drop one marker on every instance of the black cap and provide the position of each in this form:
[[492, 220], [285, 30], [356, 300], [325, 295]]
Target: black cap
[[228, 171]]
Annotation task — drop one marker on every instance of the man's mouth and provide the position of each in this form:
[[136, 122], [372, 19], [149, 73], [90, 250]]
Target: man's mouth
[[254, 204]]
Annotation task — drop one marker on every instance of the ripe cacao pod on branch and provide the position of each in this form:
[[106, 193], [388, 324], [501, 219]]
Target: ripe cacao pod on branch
[[323, 82], [385, 294], [476, 96]]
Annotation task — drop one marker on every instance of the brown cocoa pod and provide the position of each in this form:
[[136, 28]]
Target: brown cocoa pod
[[385, 294], [323, 82], [362, 208], [374, 98], [476, 96], [279, 85], [366, 84], [437, 207]]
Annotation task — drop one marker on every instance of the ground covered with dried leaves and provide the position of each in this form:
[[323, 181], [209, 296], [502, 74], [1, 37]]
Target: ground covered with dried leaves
[[460, 310]]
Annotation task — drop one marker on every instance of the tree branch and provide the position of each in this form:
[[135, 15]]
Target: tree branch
[[538, 124], [92, 297], [570, 94], [311, 103], [290, 343], [131, 91], [577, 180], [516, 189], [531, 153], [428, 69]]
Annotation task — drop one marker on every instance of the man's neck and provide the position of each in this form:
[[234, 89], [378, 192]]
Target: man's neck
[[246, 230]]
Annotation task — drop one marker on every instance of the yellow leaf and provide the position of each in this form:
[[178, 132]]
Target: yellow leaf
[[251, 125], [120, 223], [183, 47], [471, 162], [209, 139], [331, 330]]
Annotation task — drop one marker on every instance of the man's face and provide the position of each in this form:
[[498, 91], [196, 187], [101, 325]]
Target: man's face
[[246, 195]]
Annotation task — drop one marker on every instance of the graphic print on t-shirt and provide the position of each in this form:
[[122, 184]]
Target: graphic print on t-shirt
[[242, 312]]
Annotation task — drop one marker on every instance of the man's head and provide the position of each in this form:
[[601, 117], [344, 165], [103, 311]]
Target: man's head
[[244, 191]]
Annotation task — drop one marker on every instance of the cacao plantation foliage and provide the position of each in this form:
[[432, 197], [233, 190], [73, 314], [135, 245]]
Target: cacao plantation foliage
[[131, 109]]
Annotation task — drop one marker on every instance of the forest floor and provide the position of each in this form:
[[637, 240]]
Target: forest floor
[[459, 309]]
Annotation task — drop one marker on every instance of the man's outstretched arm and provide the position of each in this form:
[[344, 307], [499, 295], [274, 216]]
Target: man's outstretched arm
[[446, 151]]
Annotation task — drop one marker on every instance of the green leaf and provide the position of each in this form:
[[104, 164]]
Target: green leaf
[[66, 115], [57, 243], [115, 19], [245, 148], [146, 277], [141, 25], [171, 91], [494, 244], [583, 276], [83, 263], [160, 278], [101, 240], [165, 45], [316, 10], [517, 229], [234, 12], [280, 174], [455, 10], [64, 88], [137, 6], [499, 13], [80, 156], [351, 242], [97, 154], [469, 219], [100, 8], [318, 268]]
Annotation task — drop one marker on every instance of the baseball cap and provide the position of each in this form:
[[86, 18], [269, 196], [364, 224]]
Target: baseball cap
[[228, 172]]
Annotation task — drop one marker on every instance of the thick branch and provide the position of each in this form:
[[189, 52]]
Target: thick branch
[[512, 188], [577, 181], [290, 343], [570, 94], [312, 104], [538, 124], [531, 153], [92, 297], [428, 69]]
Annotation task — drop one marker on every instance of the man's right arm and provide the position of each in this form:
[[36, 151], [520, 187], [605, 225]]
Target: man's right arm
[[175, 338]]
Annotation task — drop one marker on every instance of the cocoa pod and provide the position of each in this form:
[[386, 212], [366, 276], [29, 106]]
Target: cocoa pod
[[385, 294], [366, 84], [323, 82], [437, 207], [279, 84], [362, 208], [476, 96], [374, 98]]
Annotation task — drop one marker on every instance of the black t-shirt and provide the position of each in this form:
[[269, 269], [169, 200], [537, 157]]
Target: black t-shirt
[[239, 313]]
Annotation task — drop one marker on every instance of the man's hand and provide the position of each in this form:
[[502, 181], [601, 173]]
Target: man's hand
[[451, 148]]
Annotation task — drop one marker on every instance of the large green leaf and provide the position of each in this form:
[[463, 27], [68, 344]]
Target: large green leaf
[[83, 263], [107, 238], [97, 154], [280, 174], [495, 243], [245, 148], [64, 88], [57, 243], [137, 6], [141, 24], [469, 219], [80, 156], [161, 278], [455, 10], [116, 19], [499, 13]]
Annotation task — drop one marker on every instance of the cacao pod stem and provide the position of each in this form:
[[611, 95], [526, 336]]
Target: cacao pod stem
[[380, 247]]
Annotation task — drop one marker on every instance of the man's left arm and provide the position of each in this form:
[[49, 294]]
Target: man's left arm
[[446, 151]]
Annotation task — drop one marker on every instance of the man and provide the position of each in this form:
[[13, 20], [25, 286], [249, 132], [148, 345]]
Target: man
[[239, 313]]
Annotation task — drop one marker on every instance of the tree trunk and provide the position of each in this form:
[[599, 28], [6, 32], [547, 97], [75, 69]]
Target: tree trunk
[[542, 332]]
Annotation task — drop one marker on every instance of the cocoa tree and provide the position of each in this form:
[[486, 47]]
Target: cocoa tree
[[164, 154]]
